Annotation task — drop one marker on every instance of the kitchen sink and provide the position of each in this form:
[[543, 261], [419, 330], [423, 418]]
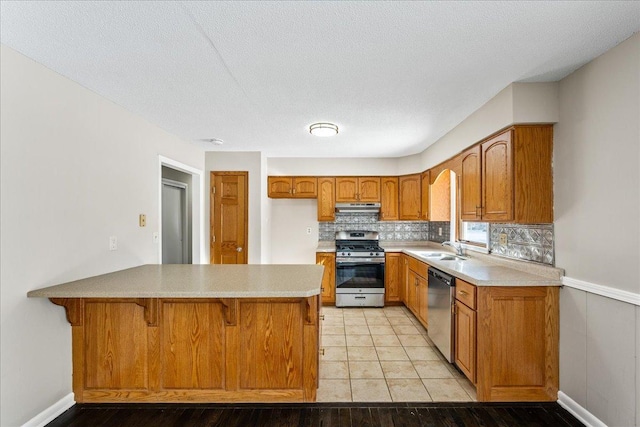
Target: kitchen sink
[[441, 256]]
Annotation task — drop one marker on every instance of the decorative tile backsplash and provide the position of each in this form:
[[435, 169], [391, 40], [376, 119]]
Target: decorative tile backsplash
[[524, 242], [435, 233], [389, 230]]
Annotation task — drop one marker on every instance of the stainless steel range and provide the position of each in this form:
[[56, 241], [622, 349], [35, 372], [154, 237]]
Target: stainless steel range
[[359, 269]]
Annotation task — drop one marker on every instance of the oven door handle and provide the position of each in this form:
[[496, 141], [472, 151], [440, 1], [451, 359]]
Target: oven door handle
[[355, 263]]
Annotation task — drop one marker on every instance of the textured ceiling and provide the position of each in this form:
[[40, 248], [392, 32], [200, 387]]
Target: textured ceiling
[[394, 76]]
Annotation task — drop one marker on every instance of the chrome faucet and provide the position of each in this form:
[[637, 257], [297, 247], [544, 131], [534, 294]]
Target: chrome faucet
[[457, 247]]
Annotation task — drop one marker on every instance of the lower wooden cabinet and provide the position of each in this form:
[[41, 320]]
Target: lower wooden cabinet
[[328, 260], [194, 350], [506, 341], [392, 277], [417, 290]]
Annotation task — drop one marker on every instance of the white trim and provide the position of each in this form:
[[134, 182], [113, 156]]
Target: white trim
[[51, 413], [605, 291], [584, 416], [198, 254]]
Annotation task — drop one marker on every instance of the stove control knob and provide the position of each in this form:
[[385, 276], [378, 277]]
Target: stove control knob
[[370, 253]]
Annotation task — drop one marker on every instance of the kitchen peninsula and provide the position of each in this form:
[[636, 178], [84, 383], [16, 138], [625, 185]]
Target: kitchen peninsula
[[196, 333]]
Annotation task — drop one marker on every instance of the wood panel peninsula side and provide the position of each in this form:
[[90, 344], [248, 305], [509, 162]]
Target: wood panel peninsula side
[[194, 333]]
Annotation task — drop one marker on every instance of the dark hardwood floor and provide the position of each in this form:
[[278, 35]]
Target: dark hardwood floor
[[317, 414]]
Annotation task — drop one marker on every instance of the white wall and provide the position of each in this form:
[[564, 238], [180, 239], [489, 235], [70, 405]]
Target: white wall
[[331, 166], [597, 232], [75, 169], [252, 162], [290, 243]]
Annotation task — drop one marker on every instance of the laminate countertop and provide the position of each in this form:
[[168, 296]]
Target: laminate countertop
[[195, 281], [477, 269]]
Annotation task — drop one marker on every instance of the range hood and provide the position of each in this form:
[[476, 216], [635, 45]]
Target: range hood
[[358, 208]]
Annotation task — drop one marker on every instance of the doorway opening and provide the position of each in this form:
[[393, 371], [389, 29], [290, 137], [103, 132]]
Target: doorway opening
[[180, 217]]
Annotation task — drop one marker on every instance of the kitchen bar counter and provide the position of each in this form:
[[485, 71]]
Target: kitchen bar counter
[[194, 333], [194, 281]]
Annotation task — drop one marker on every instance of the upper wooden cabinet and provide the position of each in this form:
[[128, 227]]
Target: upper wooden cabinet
[[470, 191], [508, 177], [426, 193], [358, 189], [389, 198], [440, 209], [299, 187], [410, 197], [326, 199]]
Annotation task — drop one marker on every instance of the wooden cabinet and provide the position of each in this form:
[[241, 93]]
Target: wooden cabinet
[[299, 187], [410, 197], [425, 188], [508, 177], [470, 190], [358, 189], [417, 290], [328, 260], [506, 341], [326, 199], [465, 329], [389, 198], [392, 277], [194, 349]]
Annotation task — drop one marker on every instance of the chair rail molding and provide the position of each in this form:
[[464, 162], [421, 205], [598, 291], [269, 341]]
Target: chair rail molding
[[605, 291]]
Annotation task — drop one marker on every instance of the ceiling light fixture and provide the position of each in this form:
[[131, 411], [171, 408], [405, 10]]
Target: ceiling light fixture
[[323, 129], [215, 141]]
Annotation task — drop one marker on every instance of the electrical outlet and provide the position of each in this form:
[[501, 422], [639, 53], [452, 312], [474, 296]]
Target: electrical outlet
[[308, 230], [143, 220], [113, 243], [503, 239], [439, 231], [156, 237]]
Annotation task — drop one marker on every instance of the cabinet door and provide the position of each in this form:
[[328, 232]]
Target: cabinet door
[[424, 189], [497, 179], [280, 187], [346, 189], [328, 292], [422, 300], [305, 187], [392, 269], [410, 197], [412, 292], [404, 279], [465, 340], [470, 191], [369, 189], [326, 199], [389, 199]]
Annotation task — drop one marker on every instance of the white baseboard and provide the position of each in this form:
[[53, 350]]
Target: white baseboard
[[605, 291], [585, 417], [52, 412]]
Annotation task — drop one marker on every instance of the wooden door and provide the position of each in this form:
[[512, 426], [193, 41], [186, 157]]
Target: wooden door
[[229, 217], [392, 277], [305, 187], [422, 299], [465, 340], [326, 199], [369, 189], [470, 191], [424, 189], [328, 290], [410, 200], [346, 189], [389, 198], [280, 186], [497, 179]]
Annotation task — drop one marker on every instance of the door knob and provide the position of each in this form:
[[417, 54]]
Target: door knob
[[239, 249]]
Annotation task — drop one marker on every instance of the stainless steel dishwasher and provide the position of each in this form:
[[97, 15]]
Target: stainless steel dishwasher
[[442, 293]]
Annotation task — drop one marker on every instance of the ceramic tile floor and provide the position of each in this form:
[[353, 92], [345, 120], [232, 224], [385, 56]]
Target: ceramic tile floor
[[384, 355]]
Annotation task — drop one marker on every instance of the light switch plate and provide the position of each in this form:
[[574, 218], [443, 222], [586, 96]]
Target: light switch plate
[[113, 243], [503, 238]]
